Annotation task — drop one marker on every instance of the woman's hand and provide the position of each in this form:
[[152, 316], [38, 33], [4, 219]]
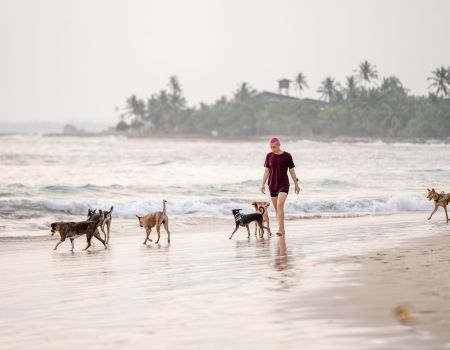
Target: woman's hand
[[263, 189], [297, 188]]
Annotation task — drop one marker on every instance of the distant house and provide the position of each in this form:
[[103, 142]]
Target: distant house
[[267, 96], [272, 97]]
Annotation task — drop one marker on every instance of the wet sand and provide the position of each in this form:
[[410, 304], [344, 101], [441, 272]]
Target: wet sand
[[408, 285], [207, 292]]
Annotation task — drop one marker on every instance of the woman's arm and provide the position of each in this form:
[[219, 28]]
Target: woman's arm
[[265, 176], [295, 179]]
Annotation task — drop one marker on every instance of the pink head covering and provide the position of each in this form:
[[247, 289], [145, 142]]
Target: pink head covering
[[275, 140]]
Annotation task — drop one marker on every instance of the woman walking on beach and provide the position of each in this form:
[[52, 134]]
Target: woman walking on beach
[[276, 166]]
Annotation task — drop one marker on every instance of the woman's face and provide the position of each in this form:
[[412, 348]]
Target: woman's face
[[275, 147]]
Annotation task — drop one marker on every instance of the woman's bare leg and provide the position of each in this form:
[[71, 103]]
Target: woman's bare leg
[[280, 211], [274, 203]]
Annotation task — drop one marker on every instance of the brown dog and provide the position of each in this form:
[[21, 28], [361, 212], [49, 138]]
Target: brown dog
[[440, 200], [262, 208], [74, 230], [93, 216], [155, 219]]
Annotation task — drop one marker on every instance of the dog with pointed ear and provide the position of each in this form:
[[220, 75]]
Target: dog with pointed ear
[[440, 200], [91, 212], [430, 194], [141, 222], [262, 208], [155, 219]]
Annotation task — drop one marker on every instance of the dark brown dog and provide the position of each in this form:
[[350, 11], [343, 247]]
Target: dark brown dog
[[262, 208], [74, 230], [155, 219], [440, 200]]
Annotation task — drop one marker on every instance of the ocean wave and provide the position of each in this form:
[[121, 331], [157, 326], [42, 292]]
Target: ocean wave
[[336, 183], [388, 205], [214, 206], [18, 189]]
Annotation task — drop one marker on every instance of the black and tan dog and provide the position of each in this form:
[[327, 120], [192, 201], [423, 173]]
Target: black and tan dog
[[440, 200], [246, 220], [74, 230], [93, 216], [262, 208], [157, 219]]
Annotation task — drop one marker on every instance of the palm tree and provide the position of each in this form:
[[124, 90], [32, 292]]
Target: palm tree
[[300, 82], [392, 84], [367, 73], [244, 93], [329, 89], [351, 86], [176, 94], [134, 110], [440, 81]]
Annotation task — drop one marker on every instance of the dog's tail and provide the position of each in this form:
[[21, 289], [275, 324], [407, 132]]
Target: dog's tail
[[262, 210], [109, 213], [164, 207]]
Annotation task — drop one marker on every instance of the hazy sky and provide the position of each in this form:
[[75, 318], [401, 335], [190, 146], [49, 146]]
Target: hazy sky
[[76, 60]]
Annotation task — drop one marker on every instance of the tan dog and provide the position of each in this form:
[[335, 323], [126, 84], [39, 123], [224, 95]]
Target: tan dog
[[440, 200], [262, 208], [155, 219]]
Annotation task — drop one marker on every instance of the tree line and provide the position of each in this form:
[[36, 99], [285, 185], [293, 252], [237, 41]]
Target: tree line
[[366, 105]]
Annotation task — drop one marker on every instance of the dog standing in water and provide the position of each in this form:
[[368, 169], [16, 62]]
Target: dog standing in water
[[155, 219], [93, 216], [246, 220], [440, 200], [262, 208], [74, 230]]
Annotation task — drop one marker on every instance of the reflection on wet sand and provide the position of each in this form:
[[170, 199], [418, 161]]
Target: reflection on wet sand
[[286, 274], [246, 247]]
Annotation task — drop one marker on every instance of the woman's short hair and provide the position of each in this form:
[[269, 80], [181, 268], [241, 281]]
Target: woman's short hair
[[275, 140]]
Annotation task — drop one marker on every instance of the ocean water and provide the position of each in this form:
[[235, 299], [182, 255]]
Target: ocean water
[[43, 179]]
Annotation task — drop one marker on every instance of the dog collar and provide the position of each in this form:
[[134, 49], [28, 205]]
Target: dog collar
[[443, 199]]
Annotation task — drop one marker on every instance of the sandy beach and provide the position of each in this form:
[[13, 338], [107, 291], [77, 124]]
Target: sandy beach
[[207, 292]]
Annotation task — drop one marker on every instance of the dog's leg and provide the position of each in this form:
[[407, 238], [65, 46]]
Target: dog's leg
[[57, 244], [88, 238], [108, 229], [434, 211], [256, 228], [158, 229], [446, 214], [148, 230], [102, 227], [97, 235], [261, 229], [248, 231], [237, 226], [166, 227], [73, 246], [267, 228]]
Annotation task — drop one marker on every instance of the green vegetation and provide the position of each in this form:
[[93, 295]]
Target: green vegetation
[[365, 106]]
